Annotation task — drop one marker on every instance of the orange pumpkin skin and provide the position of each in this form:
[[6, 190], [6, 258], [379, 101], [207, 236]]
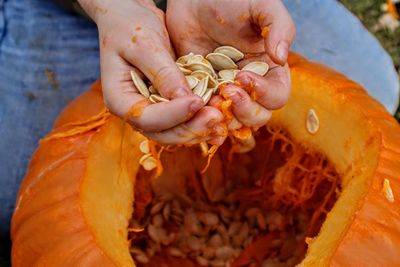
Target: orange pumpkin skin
[[75, 202]]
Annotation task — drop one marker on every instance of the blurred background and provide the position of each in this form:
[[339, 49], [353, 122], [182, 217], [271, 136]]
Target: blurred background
[[374, 16]]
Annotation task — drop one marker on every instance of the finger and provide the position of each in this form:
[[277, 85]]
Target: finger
[[120, 96], [277, 27], [206, 125], [248, 112], [158, 66], [271, 91]]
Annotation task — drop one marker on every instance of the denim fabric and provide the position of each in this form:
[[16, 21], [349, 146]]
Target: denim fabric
[[48, 56]]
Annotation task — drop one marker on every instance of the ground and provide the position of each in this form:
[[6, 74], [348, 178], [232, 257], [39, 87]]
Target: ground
[[369, 11]]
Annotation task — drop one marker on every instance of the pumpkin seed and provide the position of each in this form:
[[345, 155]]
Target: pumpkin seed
[[139, 84], [220, 61], [176, 252], [192, 81], [156, 233], [260, 68], [228, 75], [144, 147], [208, 219], [215, 241], [261, 221], [184, 59], [184, 70], [231, 52], [157, 98], [153, 90], [191, 223], [158, 220], [207, 95], [156, 208], [195, 243], [218, 263], [167, 211], [204, 148], [202, 261], [246, 145], [208, 252], [200, 74], [200, 66], [201, 87], [148, 162], [252, 212], [224, 253], [234, 228], [387, 189], [195, 59], [312, 121], [140, 256]]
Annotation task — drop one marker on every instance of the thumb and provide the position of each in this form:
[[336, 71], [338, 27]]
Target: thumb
[[278, 29], [160, 68]]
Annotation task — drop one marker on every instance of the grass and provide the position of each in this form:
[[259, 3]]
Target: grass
[[369, 11]]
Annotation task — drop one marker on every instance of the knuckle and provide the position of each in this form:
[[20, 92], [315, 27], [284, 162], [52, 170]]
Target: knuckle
[[281, 99]]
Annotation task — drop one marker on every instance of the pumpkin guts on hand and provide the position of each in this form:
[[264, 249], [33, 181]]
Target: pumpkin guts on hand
[[134, 37]]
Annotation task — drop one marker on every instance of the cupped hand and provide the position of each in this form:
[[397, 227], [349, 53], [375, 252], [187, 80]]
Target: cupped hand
[[262, 29], [133, 37]]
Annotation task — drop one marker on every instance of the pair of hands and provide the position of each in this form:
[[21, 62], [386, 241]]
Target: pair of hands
[[134, 36]]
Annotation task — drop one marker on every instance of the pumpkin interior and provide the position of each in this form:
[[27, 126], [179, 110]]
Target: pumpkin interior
[[293, 186]]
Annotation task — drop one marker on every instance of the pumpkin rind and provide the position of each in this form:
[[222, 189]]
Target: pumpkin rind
[[76, 199]]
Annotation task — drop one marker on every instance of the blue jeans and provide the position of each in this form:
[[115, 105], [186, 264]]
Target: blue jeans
[[49, 56]]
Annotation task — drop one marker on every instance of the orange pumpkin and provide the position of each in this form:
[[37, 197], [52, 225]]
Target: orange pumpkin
[[76, 201]]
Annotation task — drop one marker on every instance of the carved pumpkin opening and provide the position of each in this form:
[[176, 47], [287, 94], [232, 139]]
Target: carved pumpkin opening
[[245, 210]]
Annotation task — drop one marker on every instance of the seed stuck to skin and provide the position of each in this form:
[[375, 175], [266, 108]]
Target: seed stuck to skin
[[260, 68], [312, 122], [139, 84]]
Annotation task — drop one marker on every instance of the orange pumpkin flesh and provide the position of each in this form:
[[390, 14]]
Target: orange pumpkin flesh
[[75, 203]]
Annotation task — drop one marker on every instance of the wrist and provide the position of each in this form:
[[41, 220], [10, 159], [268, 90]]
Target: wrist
[[96, 8]]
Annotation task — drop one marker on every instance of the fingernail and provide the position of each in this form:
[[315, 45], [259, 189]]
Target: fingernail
[[282, 51], [196, 105]]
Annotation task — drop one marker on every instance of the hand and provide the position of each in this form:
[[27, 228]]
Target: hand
[[133, 36], [262, 29]]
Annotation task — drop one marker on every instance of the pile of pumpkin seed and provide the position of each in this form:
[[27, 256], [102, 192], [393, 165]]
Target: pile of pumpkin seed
[[210, 234], [204, 75]]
